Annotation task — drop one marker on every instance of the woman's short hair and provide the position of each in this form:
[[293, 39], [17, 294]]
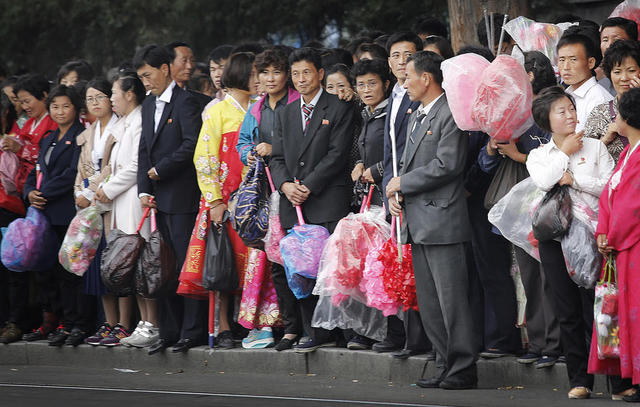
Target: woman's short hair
[[80, 66], [542, 105], [68, 91], [237, 71], [129, 81], [371, 66], [543, 74], [272, 57], [618, 52], [629, 107], [35, 84], [443, 45]]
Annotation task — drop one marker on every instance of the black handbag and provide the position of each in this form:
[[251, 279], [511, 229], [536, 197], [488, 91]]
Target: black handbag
[[553, 216], [219, 273], [508, 174]]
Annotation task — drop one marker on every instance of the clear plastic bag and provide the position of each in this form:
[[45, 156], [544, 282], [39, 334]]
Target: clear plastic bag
[[275, 233], [460, 81], [81, 242], [502, 103], [553, 216], [512, 215], [347, 313], [581, 255], [605, 309], [343, 259], [629, 9], [534, 36]]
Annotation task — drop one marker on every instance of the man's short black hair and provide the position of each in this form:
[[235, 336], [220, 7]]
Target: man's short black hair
[[618, 52], [431, 26], [35, 84], [481, 30], [68, 91], [427, 61], [152, 55], [474, 49], [80, 66], [237, 71], [376, 51], [404, 36], [378, 67], [441, 43], [541, 107], [306, 54], [629, 26], [629, 107], [330, 57], [543, 74], [577, 35], [171, 48], [219, 53]]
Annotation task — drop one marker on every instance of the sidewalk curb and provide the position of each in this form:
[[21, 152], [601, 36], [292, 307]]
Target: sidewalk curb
[[338, 362]]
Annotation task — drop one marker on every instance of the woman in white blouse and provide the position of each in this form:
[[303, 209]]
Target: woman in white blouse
[[585, 165], [121, 190]]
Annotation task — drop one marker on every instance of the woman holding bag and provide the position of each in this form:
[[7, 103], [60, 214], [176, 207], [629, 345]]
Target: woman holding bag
[[618, 234], [584, 165], [58, 161], [218, 164]]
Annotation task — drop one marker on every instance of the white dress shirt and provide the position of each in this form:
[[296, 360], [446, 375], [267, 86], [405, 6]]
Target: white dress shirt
[[590, 167], [589, 95], [313, 102], [424, 110], [161, 101], [397, 94]]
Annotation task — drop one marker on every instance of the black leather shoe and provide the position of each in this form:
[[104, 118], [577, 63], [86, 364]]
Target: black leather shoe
[[452, 383], [159, 346], [407, 353], [382, 347], [432, 383], [285, 344], [183, 345]]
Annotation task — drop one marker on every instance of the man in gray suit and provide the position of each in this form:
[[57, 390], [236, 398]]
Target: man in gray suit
[[431, 198]]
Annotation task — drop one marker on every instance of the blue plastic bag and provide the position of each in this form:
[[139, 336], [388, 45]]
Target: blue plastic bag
[[29, 243]]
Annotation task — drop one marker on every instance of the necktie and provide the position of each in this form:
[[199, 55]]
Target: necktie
[[418, 122], [307, 110]]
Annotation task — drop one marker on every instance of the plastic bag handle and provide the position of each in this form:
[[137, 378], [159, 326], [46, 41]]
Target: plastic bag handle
[[153, 220], [145, 214], [299, 213], [366, 201], [266, 169], [38, 177]]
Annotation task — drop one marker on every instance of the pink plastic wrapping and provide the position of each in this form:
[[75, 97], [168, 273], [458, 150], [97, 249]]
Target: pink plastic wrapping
[[629, 9], [275, 233], [533, 36], [460, 81], [502, 103]]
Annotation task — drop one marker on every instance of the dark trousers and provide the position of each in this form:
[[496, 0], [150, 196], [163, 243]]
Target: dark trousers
[[13, 290], [179, 318], [574, 309], [287, 302], [416, 337], [542, 325], [396, 331], [492, 255]]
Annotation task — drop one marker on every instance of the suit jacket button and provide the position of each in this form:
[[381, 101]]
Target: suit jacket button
[[302, 163]]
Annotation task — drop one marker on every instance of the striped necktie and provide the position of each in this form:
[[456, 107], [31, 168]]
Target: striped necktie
[[307, 110]]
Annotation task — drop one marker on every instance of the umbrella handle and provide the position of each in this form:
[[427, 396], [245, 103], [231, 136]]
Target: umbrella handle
[[144, 217], [300, 217], [212, 313], [266, 169]]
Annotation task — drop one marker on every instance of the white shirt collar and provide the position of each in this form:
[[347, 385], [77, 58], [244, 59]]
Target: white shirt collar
[[398, 91], [425, 109], [314, 101], [167, 94], [584, 88]]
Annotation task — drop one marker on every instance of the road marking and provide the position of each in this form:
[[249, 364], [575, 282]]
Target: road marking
[[227, 395]]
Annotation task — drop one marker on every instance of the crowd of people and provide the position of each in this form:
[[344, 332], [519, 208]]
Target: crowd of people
[[177, 136]]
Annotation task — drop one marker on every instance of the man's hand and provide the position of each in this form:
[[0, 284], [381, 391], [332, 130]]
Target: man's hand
[[152, 174], [101, 196], [395, 207], [603, 245], [492, 147], [146, 202], [295, 193], [393, 186], [82, 202], [357, 171], [263, 149], [36, 199], [572, 143]]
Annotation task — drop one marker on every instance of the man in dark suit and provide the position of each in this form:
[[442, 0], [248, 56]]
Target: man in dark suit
[[436, 223], [400, 46], [170, 126], [311, 145]]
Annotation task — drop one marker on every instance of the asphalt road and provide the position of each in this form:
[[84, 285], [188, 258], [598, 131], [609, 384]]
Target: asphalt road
[[22, 386]]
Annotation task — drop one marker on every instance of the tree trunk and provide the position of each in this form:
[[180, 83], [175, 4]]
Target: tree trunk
[[465, 14]]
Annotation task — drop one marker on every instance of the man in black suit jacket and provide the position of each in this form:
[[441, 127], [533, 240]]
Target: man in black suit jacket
[[400, 47], [170, 126], [311, 145]]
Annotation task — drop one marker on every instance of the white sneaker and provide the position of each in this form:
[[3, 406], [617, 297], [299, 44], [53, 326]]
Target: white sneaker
[[125, 341], [147, 336]]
